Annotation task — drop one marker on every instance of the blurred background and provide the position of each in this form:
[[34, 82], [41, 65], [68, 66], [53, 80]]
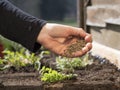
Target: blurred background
[[61, 11]]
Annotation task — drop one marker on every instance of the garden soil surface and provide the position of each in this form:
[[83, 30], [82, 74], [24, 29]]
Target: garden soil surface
[[98, 76]]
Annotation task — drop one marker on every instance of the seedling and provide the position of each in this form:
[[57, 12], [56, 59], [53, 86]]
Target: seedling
[[19, 59], [49, 76], [68, 65]]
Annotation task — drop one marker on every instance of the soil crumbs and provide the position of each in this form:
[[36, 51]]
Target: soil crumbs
[[76, 46]]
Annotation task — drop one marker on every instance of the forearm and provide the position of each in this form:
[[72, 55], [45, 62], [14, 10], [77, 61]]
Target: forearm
[[19, 26]]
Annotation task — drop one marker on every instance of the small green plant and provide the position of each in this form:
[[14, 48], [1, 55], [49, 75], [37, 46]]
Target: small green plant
[[43, 53], [3, 64], [68, 65], [19, 59], [49, 76]]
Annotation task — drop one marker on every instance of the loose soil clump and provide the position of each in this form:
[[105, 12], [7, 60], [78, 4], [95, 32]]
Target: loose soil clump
[[77, 46]]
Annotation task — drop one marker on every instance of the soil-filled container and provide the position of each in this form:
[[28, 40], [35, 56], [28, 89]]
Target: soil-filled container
[[101, 75]]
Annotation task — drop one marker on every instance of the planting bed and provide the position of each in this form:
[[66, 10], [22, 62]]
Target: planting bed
[[101, 75]]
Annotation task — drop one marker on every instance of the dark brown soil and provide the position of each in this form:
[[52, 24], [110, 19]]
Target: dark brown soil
[[76, 46], [27, 69], [93, 77], [26, 78], [98, 76]]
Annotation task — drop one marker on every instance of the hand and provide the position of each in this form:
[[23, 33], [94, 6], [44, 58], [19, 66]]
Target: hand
[[56, 38]]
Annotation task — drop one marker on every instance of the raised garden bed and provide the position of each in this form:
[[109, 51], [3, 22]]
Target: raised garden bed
[[101, 75]]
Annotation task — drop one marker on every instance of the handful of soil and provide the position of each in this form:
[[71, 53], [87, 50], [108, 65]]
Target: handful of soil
[[77, 46]]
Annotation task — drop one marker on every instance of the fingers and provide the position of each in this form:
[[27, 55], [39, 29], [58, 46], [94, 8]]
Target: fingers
[[79, 32], [88, 37], [89, 45]]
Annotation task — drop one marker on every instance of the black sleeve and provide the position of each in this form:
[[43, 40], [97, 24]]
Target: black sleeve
[[19, 26]]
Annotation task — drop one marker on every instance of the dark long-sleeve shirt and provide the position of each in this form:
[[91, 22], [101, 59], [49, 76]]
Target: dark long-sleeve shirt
[[19, 26]]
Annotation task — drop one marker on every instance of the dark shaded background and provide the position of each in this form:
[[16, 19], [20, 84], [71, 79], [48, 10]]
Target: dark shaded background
[[48, 9]]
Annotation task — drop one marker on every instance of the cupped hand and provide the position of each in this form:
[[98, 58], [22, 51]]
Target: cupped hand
[[57, 37]]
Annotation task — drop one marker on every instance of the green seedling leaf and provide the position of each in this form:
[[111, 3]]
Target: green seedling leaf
[[49, 76]]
